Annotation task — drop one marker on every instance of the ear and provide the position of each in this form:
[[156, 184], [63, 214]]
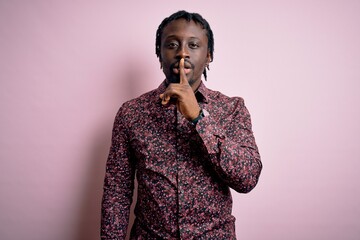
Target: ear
[[208, 57]]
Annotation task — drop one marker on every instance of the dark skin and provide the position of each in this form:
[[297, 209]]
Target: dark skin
[[184, 56]]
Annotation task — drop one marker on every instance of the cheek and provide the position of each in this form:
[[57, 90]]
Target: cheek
[[164, 61], [200, 67], [166, 68]]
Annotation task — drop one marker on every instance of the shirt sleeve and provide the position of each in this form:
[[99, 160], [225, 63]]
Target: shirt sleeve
[[231, 147], [118, 185]]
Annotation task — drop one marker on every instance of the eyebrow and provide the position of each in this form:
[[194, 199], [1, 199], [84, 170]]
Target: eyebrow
[[175, 36]]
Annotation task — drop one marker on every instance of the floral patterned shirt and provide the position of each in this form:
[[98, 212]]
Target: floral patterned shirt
[[183, 170]]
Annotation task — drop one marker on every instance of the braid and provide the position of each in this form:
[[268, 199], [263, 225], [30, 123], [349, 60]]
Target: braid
[[205, 74]]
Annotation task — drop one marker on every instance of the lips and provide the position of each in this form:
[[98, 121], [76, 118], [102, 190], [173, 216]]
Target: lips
[[177, 70], [187, 67]]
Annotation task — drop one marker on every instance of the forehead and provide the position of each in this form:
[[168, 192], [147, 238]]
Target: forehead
[[181, 28]]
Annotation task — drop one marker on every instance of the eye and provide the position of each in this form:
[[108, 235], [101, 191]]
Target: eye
[[193, 45], [172, 45]]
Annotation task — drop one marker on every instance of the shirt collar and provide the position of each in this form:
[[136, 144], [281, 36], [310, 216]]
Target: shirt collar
[[202, 93]]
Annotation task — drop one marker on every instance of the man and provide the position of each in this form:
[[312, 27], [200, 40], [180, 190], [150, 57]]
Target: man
[[186, 143]]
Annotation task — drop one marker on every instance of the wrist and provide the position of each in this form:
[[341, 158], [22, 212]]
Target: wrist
[[199, 117]]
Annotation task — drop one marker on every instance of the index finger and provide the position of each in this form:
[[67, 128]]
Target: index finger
[[183, 79]]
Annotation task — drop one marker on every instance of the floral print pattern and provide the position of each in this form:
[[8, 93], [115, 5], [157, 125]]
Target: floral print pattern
[[184, 170]]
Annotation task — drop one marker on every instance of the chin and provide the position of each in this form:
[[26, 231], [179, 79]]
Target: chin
[[173, 79]]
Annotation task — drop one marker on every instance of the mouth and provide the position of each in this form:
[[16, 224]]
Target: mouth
[[187, 67]]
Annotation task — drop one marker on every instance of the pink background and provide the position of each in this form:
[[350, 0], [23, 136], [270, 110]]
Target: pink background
[[67, 66]]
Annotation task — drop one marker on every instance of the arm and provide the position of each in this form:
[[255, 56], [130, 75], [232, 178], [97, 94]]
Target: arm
[[118, 185], [232, 149], [230, 145]]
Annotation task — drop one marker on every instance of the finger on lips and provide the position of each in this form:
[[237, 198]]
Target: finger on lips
[[183, 79], [165, 98]]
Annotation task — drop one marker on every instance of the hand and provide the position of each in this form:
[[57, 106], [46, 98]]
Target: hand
[[183, 96]]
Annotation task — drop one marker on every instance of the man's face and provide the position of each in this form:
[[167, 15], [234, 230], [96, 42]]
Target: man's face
[[188, 40]]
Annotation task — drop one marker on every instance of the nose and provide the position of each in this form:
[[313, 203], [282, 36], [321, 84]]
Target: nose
[[183, 52]]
